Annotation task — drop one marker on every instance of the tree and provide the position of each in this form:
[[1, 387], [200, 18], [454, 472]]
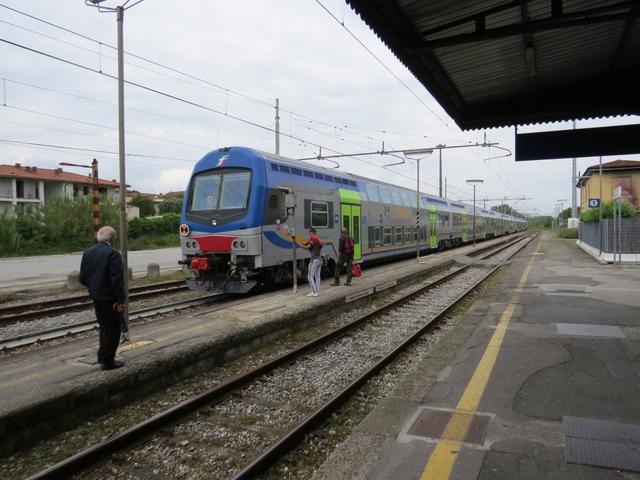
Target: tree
[[170, 205], [508, 210], [145, 204]]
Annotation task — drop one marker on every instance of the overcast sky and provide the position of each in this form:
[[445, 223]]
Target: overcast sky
[[243, 54]]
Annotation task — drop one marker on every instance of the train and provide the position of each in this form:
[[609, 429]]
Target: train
[[246, 212]]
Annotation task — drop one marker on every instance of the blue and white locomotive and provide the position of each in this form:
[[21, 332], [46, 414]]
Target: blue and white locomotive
[[237, 228]]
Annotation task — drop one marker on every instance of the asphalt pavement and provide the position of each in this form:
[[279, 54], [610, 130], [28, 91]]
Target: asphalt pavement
[[22, 273]]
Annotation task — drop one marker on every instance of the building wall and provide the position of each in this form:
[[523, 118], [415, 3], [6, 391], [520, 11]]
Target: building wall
[[630, 181], [6, 188]]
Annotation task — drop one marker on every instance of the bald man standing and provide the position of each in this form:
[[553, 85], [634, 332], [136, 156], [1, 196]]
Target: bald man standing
[[102, 273]]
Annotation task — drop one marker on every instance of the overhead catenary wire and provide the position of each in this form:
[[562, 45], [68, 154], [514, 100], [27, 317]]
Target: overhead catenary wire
[[175, 97]]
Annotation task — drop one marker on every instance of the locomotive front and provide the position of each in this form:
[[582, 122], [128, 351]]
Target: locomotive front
[[221, 231]]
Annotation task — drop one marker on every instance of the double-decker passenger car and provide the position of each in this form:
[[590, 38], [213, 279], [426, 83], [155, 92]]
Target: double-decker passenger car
[[237, 231]]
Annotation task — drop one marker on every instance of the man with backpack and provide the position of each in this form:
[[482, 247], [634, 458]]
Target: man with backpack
[[345, 250]]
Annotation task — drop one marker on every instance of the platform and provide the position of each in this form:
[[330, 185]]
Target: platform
[[540, 379], [63, 382]]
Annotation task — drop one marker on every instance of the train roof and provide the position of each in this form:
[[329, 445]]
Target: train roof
[[451, 204]]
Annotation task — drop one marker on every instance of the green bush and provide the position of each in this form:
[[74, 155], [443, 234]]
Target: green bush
[[145, 204], [170, 205], [157, 226], [593, 214], [567, 233]]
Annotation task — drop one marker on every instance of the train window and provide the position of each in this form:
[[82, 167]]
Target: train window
[[328, 178], [285, 169], [352, 183], [443, 220], [273, 201], [376, 233], [388, 235], [319, 214], [307, 173], [235, 190], [415, 234], [296, 171], [206, 189], [345, 181], [406, 198], [337, 180], [396, 196], [385, 194], [397, 238], [408, 234], [372, 192], [319, 176], [274, 166]]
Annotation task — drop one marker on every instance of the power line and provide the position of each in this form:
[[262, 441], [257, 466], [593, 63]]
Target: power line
[[384, 65], [153, 62], [90, 150]]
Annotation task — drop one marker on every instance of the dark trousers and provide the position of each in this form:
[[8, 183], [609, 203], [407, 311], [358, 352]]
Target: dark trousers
[[110, 323], [348, 259]]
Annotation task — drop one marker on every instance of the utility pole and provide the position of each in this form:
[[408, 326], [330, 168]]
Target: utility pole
[[601, 200], [574, 210], [474, 182], [277, 126], [440, 170], [119, 11], [445, 187]]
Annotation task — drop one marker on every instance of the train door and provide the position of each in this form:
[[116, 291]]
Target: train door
[[433, 228], [352, 221], [465, 235]]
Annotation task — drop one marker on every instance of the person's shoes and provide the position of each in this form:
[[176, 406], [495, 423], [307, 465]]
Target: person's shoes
[[314, 294], [112, 365], [335, 284], [348, 284], [310, 294]]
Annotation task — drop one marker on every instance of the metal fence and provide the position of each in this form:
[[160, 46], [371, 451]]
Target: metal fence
[[630, 235]]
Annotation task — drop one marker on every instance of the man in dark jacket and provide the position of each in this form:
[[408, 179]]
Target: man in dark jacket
[[345, 250], [102, 273]]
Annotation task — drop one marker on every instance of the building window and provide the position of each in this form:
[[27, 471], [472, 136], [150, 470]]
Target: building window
[[85, 190], [19, 189], [408, 234], [319, 214]]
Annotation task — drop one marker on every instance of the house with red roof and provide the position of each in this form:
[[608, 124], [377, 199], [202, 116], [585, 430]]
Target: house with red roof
[[29, 185]]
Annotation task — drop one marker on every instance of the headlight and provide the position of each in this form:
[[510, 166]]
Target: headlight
[[243, 244]]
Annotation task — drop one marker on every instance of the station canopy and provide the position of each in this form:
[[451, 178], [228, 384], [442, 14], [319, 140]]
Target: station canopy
[[498, 63]]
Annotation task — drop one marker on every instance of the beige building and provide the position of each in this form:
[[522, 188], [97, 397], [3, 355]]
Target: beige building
[[622, 173]]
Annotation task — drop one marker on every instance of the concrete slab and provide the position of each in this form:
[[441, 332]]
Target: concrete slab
[[538, 378], [51, 388]]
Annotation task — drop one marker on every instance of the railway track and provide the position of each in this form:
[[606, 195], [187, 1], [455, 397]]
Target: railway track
[[26, 339], [28, 311], [369, 343]]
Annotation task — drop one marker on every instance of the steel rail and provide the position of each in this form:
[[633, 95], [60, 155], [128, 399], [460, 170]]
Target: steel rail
[[91, 455], [28, 311], [80, 327], [294, 436]]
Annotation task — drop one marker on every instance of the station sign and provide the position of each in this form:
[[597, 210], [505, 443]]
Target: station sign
[[594, 203]]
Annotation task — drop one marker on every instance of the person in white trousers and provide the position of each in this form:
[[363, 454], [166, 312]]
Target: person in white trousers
[[314, 245]]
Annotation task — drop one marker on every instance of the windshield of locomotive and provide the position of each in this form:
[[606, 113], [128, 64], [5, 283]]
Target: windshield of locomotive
[[220, 191]]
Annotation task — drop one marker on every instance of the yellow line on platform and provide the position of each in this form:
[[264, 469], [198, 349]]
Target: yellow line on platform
[[445, 453]]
